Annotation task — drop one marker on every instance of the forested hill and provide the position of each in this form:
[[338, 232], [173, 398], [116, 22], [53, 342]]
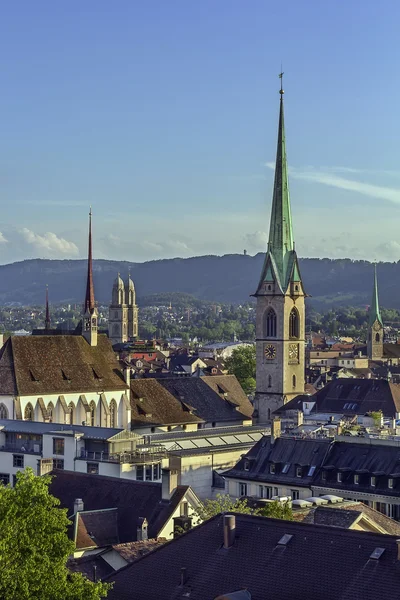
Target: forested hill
[[230, 278]]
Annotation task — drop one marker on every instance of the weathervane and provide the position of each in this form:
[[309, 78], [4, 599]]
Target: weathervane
[[281, 78]]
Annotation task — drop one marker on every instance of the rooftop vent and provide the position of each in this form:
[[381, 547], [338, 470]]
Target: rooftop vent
[[285, 539], [377, 553]]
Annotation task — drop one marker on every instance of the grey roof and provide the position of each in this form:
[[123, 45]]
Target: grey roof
[[286, 454], [315, 562], [18, 426]]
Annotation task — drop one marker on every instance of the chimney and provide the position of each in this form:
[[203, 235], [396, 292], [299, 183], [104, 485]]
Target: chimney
[[275, 429], [127, 376], [299, 418], [78, 505], [398, 549], [229, 530], [169, 481], [141, 531], [183, 575]]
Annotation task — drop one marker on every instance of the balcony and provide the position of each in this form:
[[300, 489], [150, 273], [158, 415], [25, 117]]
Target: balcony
[[138, 456], [22, 448]]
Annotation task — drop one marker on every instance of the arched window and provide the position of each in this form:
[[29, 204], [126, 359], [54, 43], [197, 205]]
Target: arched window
[[28, 413], [71, 407], [294, 381], [50, 412], [120, 297], [92, 407], [377, 337], [269, 381], [294, 323], [270, 323], [3, 412], [113, 413]]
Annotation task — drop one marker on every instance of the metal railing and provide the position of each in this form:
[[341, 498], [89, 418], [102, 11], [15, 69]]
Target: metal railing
[[130, 457], [22, 448]]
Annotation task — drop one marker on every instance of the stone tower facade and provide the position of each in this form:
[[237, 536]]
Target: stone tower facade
[[280, 311], [123, 312], [90, 315], [375, 329]]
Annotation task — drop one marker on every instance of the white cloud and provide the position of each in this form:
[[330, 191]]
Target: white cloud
[[256, 241], [49, 242], [329, 178], [388, 251], [3, 240]]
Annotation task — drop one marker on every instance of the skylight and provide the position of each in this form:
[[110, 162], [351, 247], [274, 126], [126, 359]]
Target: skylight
[[286, 468]]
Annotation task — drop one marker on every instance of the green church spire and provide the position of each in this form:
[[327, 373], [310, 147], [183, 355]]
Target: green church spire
[[374, 312], [280, 242]]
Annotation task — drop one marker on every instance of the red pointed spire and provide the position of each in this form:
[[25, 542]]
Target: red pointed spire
[[89, 299], [47, 320]]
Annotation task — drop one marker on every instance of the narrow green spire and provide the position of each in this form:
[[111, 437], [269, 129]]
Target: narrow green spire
[[374, 312], [280, 242]]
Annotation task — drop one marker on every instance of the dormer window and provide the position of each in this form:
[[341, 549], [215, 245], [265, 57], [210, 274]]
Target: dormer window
[[340, 477], [272, 468], [373, 481], [323, 476], [356, 479], [390, 483], [246, 465], [299, 472]]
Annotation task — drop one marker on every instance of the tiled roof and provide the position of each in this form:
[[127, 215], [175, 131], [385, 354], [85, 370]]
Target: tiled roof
[[311, 562], [133, 499], [46, 364], [96, 528], [352, 396], [134, 550], [157, 406], [286, 454], [209, 404]]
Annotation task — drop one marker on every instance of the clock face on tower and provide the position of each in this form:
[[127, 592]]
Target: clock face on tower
[[293, 351], [270, 352]]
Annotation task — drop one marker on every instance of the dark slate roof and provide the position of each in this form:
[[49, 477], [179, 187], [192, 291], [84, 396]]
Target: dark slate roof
[[46, 364], [96, 528], [36, 427], [286, 454], [92, 566], [352, 396], [133, 499], [364, 459], [157, 406], [316, 562], [209, 404], [391, 350]]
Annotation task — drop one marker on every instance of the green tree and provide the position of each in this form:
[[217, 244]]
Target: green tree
[[34, 546], [242, 363], [224, 503]]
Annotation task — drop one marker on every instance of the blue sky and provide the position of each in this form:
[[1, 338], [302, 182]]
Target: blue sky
[[163, 114]]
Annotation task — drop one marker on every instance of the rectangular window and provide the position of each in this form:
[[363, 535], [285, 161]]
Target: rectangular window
[[276, 491], [265, 492], [311, 471], [14, 480], [356, 479], [299, 471], [4, 478], [93, 468], [58, 445], [18, 460], [58, 463], [149, 472], [184, 509], [390, 483], [373, 481], [295, 494], [323, 476], [272, 469], [340, 477], [242, 489], [156, 472], [246, 465], [140, 472]]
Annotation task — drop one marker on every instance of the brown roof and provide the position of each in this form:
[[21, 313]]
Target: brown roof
[[134, 550], [96, 528], [234, 394], [59, 364], [157, 405]]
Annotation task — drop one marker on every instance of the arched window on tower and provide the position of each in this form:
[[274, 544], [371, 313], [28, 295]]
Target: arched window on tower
[[270, 323], [3, 412], [28, 412], [120, 297], [92, 407], [377, 337], [294, 381], [113, 413], [294, 323]]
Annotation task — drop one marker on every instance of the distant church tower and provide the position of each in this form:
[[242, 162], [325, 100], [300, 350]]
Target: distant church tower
[[123, 313], [90, 315], [280, 311], [47, 324], [375, 329]]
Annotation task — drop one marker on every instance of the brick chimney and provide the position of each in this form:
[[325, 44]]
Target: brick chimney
[[78, 505], [275, 429], [299, 418], [229, 530], [141, 530], [169, 481]]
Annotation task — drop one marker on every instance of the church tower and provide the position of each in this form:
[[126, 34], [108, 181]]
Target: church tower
[[375, 329], [130, 294], [280, 311], [90, 313], [118, 314]]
